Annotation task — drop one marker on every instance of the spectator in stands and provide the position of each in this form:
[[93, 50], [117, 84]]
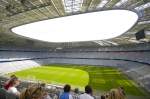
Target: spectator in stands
[[45, 94], [14, 82], [66, 94], [107, 96], [34, 92], [76, 90], [76, 93], [122, 91], [103, 97], [115, 94], [87, 94], [8, 82]]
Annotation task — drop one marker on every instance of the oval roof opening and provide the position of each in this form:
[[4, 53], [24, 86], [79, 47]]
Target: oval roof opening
[[99, 25]]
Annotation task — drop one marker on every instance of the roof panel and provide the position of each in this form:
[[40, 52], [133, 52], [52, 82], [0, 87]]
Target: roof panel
[[18, 12]]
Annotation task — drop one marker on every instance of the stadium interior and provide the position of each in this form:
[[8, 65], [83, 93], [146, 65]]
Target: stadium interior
[[128, 54]]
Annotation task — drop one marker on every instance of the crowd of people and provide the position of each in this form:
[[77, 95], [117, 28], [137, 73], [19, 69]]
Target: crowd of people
[[39, 91]]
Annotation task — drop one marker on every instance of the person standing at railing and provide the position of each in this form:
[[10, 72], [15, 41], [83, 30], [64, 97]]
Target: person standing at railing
[[87, 94], [76, 93], [7, 84], [12, 88], [66, 94]]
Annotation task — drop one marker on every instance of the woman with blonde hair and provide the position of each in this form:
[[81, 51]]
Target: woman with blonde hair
[[122, 92], [115, 94], [34, 92]]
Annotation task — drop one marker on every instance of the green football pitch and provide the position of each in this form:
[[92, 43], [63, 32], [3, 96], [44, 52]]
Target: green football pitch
[[100, 78]]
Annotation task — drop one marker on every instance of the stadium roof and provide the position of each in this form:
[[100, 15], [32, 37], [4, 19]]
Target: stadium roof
[[18, 12]]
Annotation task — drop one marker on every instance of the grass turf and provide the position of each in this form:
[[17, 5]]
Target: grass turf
[[100, 78], [56, 75]]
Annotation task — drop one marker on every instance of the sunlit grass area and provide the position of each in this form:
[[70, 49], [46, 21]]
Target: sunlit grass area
[[56, 75], [105, 78], [100, 78]]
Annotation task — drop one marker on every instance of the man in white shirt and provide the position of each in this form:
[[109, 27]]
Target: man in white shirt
[[87, 94]]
